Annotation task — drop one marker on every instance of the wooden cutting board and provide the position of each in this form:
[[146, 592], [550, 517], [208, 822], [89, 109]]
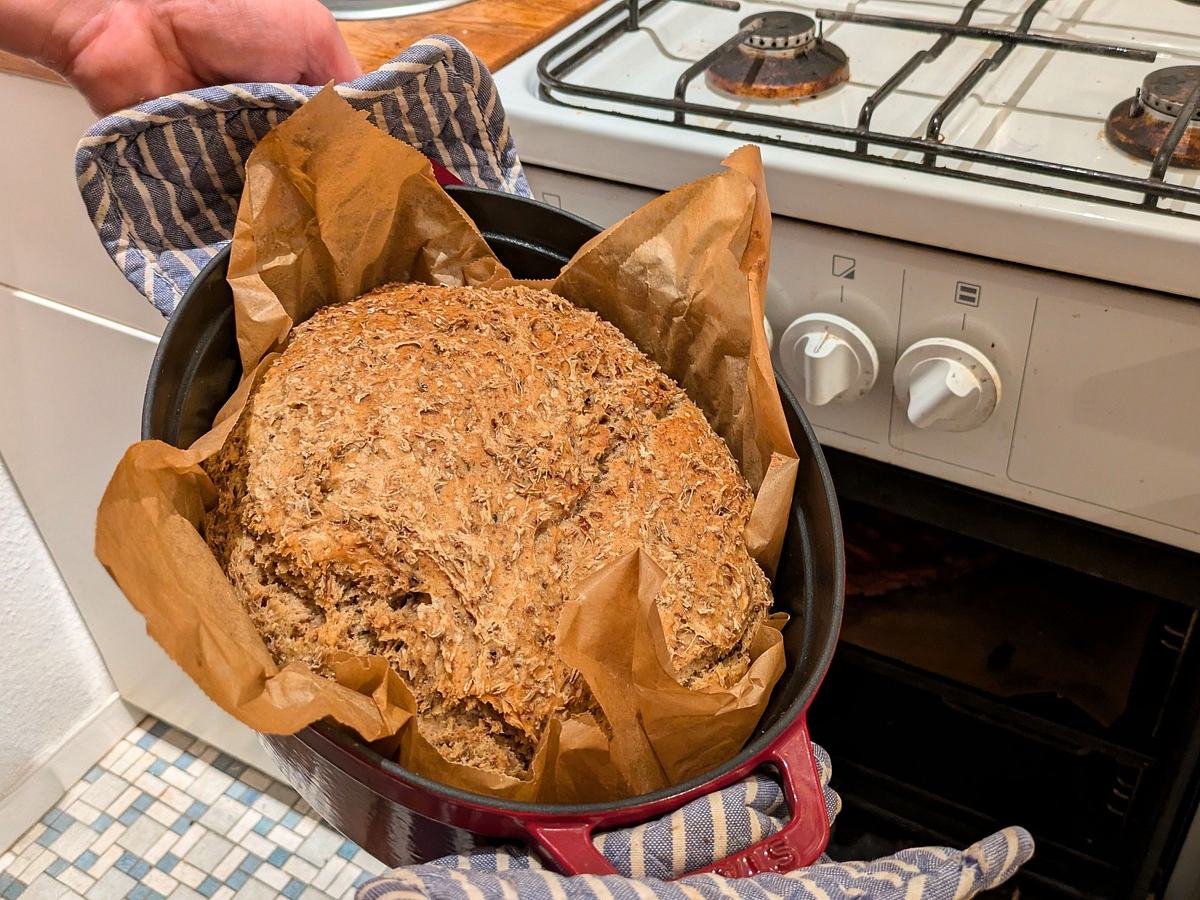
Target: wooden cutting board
[[497, 30]]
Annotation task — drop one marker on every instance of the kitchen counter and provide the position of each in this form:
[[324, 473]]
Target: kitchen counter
[[497, 30]]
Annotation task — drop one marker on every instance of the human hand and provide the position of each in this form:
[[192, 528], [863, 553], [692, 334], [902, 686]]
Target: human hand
[[120, 52], [925, 873]]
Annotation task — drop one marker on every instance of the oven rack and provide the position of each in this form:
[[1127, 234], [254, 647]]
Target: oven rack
[[557, 64], [1126, 787], [1057, 872]]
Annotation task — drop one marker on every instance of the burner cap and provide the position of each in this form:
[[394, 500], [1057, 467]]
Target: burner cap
[[781, 31], [1166, 90]]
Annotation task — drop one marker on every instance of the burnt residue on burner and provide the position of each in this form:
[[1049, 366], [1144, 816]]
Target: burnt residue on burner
[[1140, 125], [782, 58]]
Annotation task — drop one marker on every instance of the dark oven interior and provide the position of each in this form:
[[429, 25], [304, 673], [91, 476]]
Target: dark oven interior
[[1001, 665]]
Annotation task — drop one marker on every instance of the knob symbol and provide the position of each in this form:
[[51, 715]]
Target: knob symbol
[[830, 357], [946, 384]]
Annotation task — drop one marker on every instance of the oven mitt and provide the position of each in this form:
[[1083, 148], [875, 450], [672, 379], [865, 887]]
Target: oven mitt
[[161, 180], [692, 838]]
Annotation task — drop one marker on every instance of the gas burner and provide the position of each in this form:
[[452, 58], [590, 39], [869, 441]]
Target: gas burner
[[782, 58], [1140, 125]]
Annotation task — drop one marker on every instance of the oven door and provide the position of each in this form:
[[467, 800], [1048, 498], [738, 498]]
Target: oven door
[[1002, 665]]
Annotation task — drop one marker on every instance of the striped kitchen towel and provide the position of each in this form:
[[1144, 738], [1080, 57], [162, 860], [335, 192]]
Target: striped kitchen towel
[[161, 180], [700, 833]]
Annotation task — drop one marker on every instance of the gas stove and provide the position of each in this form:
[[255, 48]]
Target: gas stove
[[987, 219]]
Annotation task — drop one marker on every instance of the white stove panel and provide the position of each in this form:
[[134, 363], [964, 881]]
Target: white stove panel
[[938, 292], [845, 274], [1108, 410]]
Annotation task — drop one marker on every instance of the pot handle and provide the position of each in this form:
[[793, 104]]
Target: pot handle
[[443, 175], [797, 844]]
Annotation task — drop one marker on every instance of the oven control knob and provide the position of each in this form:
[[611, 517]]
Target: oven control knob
[[947, 385], [832, 357]]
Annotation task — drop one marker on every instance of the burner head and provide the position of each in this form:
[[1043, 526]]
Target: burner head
[[780, 59], [1166, 90], [780, 31], [1140, 124]]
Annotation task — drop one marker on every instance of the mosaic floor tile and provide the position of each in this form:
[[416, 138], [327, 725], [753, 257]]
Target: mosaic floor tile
[[163, 816]]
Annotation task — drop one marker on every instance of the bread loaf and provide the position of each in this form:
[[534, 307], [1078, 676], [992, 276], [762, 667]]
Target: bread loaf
[[425, 473]]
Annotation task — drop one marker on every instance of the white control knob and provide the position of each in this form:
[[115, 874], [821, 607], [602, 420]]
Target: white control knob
[[832, 357], [946, 384]]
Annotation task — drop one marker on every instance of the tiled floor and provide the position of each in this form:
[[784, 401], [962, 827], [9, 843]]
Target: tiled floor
[[164, 815]]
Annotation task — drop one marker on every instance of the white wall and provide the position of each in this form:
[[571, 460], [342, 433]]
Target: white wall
[[52, 679]]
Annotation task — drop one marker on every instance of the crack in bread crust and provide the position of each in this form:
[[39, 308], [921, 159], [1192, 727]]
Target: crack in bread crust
[[425, 473]]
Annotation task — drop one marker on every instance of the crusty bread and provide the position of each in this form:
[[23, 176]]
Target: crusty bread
[[424, 474]]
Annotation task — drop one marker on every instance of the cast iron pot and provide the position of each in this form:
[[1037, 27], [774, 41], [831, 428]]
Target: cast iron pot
[[401, 817]]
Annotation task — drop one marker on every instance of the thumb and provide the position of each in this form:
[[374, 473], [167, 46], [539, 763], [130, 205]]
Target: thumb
[[328, 58]]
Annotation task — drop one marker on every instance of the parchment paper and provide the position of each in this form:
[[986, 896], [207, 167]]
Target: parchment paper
[[332, 208]]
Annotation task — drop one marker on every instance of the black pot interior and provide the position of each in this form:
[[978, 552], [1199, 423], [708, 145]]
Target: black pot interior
[[197, 367]]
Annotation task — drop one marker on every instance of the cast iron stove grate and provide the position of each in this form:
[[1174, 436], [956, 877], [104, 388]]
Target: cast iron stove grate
[[1019, 172]]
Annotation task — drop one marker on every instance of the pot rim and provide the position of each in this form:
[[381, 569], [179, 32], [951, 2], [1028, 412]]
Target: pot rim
[[754, 749]]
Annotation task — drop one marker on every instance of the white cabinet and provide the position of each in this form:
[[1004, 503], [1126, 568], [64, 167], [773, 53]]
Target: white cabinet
[[71, 389], [47, 244]]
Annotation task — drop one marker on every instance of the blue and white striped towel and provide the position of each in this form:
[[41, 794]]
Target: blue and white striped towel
[[649, 855], [161, 182]]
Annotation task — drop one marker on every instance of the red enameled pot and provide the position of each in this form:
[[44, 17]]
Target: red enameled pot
[[401, 817]]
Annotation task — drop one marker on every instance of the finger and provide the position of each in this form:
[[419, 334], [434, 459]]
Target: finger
[[106, 98], [107, 90], [328, 56]]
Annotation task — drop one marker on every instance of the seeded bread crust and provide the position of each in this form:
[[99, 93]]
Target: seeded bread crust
[[425, 473]]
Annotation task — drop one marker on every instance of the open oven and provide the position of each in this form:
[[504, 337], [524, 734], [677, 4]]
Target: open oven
[[1001, 665]]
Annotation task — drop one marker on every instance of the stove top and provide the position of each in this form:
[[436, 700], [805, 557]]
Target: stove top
[[1050, 109], [1016, 92]]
